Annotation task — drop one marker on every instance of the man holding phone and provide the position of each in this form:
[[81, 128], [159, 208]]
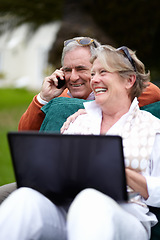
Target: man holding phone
[[75, 69]]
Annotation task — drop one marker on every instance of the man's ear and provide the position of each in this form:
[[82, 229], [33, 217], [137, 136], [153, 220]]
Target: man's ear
[[130, 81]]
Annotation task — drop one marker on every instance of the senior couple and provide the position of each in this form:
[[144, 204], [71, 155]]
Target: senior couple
[[117, 80]]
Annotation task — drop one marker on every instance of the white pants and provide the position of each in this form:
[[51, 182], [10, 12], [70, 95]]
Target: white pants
[[95, 216], [28, 215]]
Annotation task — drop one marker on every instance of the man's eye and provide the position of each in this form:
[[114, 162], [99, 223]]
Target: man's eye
[[67, 70], [81, 69]]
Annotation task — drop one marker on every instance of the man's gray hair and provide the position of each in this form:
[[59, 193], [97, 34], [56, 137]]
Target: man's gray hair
[[73, 44]]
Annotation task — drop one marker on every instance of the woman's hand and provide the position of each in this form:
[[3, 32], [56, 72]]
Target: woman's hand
[[72, 118], [137, 182]]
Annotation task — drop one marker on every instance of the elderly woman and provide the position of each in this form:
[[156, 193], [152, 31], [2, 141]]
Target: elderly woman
[[118, 79]]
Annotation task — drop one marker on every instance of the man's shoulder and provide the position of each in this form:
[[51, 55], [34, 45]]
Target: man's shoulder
[[150, 95], [65, 93]]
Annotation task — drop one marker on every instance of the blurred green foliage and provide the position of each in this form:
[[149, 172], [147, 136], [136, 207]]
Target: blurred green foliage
[[35, 11], [133, 23]]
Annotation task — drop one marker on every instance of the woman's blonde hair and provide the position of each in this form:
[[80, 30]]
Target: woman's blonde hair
[[124, 61]]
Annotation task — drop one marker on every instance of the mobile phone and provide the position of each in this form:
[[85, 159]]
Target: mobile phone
[[61, 83]]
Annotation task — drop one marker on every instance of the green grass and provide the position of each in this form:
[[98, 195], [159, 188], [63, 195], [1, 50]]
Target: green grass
[[13, 103]]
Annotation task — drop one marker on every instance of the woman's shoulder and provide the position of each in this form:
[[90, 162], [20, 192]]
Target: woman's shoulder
[[150, 120], [81, 125]]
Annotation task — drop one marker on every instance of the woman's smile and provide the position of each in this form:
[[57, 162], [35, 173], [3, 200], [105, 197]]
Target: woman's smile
[[100, 90]]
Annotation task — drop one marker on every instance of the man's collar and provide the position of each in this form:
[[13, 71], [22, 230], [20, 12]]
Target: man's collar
[[90, 97]]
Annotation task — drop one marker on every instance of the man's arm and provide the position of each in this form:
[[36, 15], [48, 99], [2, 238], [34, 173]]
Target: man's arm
[[150, 95], [33, 117]]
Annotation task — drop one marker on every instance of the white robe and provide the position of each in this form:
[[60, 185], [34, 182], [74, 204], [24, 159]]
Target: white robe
[[90, 123]]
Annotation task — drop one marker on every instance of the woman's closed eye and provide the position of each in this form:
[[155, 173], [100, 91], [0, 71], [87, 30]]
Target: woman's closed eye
[[103, 71]]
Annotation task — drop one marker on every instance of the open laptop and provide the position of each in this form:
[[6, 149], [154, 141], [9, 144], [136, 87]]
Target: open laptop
[[60, 166]]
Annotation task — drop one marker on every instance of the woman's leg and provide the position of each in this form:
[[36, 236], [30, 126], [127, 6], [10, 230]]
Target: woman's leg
[[26, 214], [95, 216]]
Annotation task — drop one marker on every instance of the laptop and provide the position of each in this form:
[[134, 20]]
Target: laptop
[[60, 166]]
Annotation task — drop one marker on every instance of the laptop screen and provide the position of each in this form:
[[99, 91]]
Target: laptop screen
[[60, 166]]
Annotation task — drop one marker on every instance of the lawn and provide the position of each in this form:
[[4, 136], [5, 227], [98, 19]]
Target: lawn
[[13, 103]]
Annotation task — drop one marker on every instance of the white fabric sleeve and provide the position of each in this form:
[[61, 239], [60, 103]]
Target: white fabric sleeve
[[40, 100], [153, 181]]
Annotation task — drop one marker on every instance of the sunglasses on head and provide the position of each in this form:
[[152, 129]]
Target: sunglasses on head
[[125, 51], [82, 41]]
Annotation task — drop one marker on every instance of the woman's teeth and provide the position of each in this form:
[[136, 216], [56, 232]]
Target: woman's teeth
[[100, 90]]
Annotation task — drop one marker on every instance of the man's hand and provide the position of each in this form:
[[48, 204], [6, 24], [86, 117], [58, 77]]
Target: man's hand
[[49, 88]]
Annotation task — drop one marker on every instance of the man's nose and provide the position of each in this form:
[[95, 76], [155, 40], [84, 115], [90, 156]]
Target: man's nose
[[74, 75]]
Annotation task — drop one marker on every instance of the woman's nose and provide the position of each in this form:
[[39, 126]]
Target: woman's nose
[[95, 78]]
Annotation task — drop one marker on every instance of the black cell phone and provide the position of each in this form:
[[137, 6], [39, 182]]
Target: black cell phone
[[61, 83]]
